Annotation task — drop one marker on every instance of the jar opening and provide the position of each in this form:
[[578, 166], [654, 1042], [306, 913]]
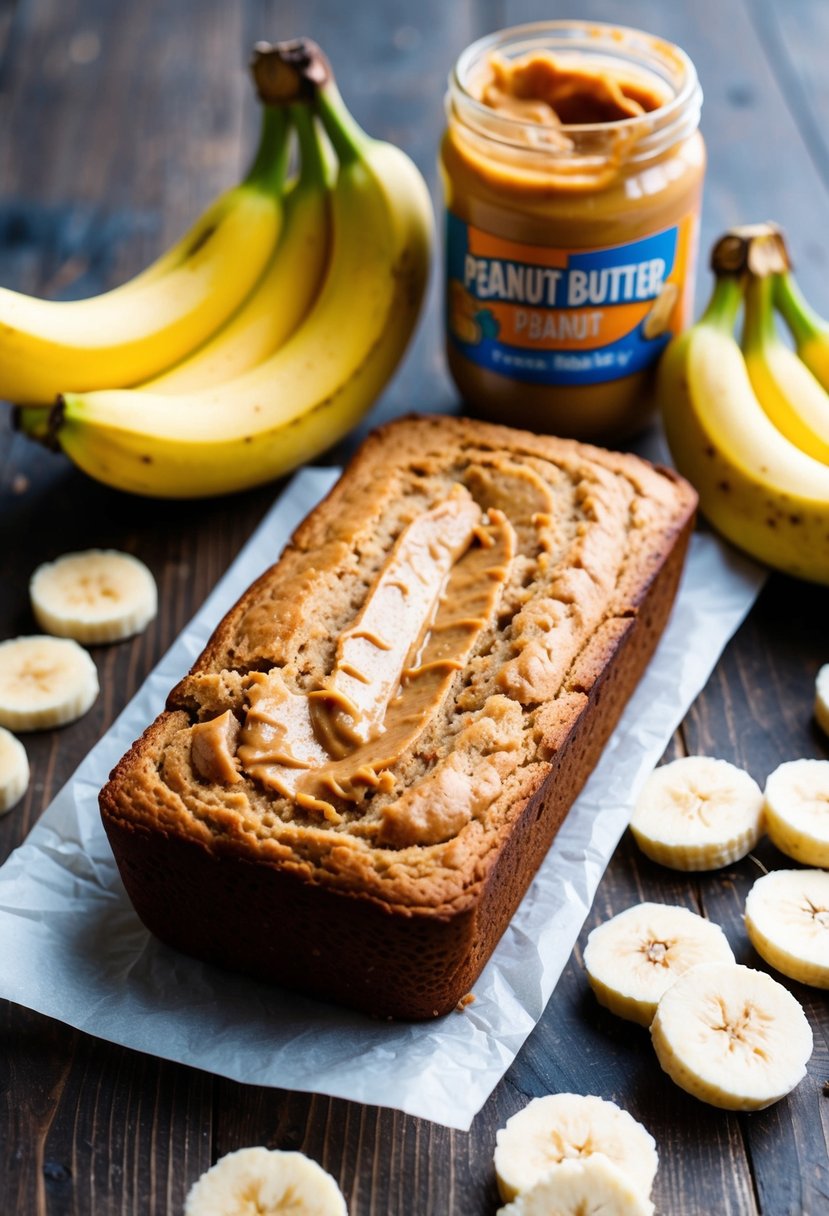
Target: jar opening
[[648, 62]]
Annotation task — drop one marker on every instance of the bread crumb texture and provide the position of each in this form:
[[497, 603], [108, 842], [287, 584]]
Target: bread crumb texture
[[591, 530]]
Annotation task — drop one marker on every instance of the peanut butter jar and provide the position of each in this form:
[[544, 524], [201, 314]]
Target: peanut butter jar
[[573, 167]]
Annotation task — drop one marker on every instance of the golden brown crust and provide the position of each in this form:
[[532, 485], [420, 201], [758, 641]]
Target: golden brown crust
[[420, 912]]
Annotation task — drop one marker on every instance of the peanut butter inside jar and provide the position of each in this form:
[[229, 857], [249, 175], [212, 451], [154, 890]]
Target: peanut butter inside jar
[[573, 167]]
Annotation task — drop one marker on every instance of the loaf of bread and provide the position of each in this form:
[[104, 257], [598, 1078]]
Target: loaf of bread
[[352, 789]]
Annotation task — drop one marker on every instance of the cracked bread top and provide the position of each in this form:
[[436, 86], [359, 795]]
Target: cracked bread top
[[584, 533]]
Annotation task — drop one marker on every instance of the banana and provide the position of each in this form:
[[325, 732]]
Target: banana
[[731, 1036], [632, 959], [44, 682], [755, 487], [797, 810], [810, 331], [96, 596], [698, 813], [594, 1187], [284, 294], [307, 395], [139, 329], [787, 920], [821, 706], [561, 1127], [14, 771], [264, 1182], [786, 389]]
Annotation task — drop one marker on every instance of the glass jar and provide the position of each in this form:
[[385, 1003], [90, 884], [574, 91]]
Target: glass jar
[[571, 248]]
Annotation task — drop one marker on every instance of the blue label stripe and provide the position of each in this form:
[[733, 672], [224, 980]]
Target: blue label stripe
[[597, 279]]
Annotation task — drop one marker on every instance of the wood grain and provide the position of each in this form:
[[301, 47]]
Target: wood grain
[[121, 122]]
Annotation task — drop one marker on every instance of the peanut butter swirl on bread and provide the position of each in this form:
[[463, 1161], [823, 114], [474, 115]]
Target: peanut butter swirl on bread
[[389, 726]]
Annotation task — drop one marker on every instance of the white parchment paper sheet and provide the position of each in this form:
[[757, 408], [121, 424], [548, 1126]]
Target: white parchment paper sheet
[[71, 946]]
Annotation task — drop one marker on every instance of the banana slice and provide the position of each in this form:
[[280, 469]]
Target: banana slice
[[264, 1182], [100, 595], [698, 814], [822, 698], [787, 919], [562, 1127], [634, 958], [732, 1036], [14, 771], [797, 810], [593, 1187], [44, 682]]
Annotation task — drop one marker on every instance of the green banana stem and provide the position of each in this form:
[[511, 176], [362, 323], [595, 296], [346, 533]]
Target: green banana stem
[[724, 304], [800, 317], [758, 324], [348, 137], [314, 168], [270, 164]]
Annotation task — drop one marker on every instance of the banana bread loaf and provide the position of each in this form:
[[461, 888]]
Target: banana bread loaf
[[352, 789]]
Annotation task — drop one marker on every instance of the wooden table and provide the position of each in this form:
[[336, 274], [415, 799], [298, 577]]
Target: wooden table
[[119, 122]]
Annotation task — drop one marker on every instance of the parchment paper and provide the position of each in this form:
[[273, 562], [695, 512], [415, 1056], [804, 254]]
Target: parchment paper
[[72, 948]]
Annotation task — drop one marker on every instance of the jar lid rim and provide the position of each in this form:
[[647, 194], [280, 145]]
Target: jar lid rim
[[598, 36]]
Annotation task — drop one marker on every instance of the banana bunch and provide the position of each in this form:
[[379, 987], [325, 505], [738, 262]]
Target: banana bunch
[[749, 425], [264, 336]]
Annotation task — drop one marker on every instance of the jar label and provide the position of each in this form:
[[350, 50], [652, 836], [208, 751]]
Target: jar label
[[566, 316]]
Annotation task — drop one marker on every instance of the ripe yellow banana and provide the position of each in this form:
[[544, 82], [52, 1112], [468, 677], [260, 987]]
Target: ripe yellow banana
[[754, 485], [810, 331], [791, 396], [285, 292], [314, 388], [139, 329]]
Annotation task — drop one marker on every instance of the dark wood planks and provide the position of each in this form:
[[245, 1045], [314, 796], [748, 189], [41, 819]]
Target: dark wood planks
[[154, 117], [794, 36], [125, 120]]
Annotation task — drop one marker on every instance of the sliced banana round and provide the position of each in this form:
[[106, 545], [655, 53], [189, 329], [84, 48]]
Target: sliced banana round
[[732, 1037], [565, 1127], [44, 682], [264, 1182], [797, 810], [593, 1187], [632, 959], [99, 595], [822, 698], [698, 813], [14, 771], [787, 919]]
